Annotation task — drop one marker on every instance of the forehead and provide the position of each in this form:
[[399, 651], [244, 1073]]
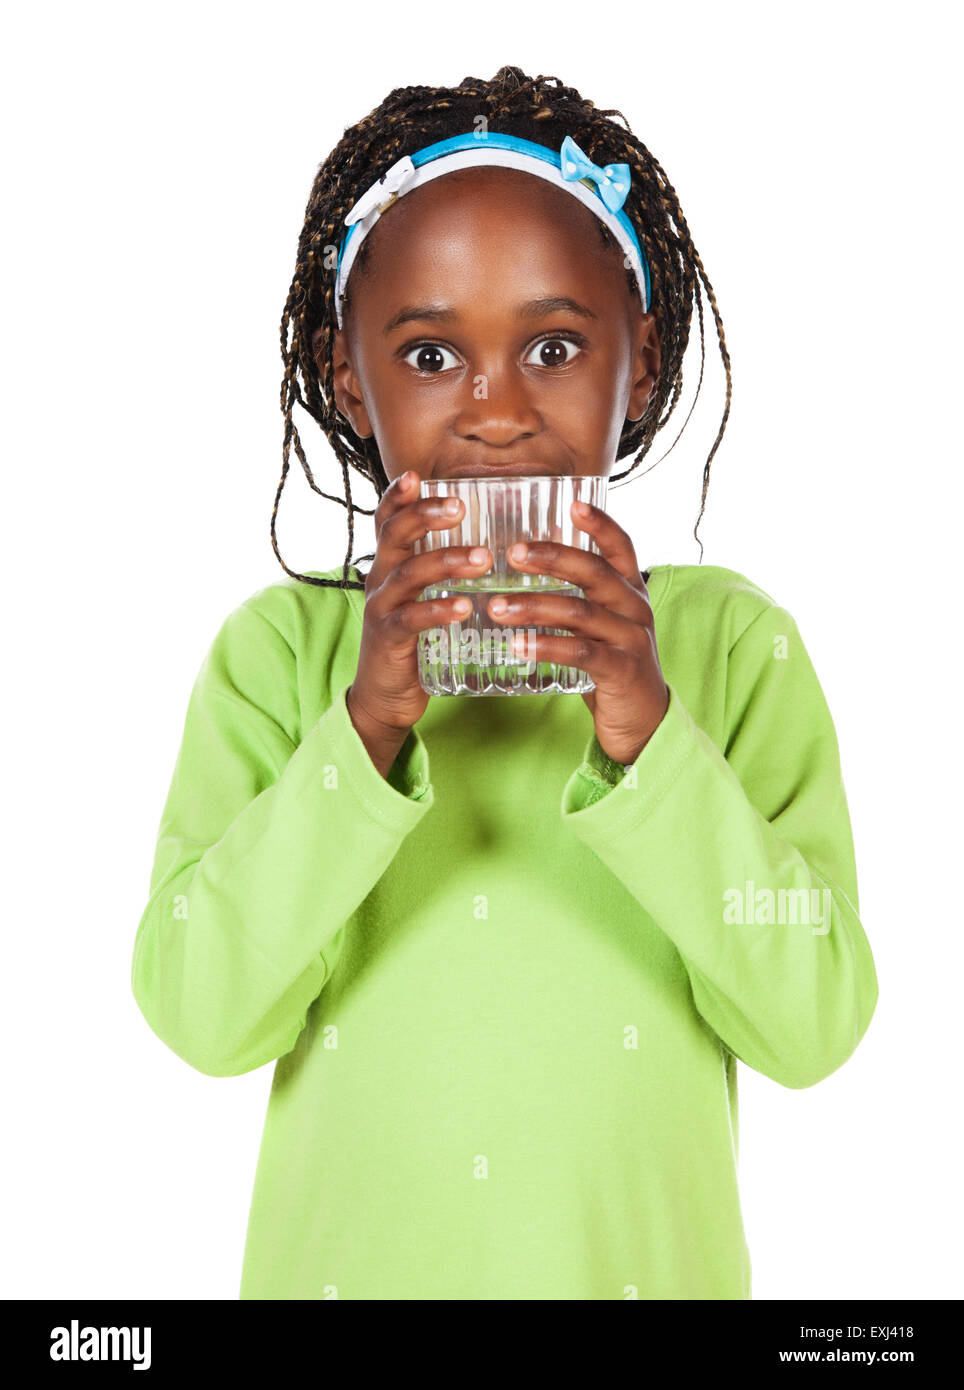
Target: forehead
[[484, 213]]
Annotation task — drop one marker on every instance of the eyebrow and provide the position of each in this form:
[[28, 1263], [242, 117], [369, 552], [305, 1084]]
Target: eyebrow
[[533, 308]]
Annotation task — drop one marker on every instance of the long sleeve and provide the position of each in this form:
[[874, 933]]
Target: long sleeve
[[267, 844], [744, 857]]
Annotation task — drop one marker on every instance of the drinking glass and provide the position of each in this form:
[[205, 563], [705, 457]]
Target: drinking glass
[[474, 655]]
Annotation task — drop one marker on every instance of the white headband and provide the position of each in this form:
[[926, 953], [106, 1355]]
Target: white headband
[[602, 190]]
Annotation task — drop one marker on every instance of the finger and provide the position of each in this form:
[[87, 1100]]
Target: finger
[[403, 623], [613, 543], [432, 569], [400, 610], [593, 574], [597, 659], [577, 615], [616, 553], [405, 520], [399, 493]]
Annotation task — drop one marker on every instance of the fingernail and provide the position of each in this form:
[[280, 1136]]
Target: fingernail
[[450, 506], [581, 508], [408, 479], [518, 552], [478, 555]]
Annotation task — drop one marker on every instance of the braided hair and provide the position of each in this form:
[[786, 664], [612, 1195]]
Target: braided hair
[[535, 108]]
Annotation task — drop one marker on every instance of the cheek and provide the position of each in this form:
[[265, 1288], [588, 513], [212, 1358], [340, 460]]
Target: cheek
[[407, 421], [386, 401], [587, 402]]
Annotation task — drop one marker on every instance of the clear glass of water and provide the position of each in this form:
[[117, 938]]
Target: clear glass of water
[[474, 655]]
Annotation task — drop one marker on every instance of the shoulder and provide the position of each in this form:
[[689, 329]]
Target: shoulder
[[288, 647], [719, 598], [295, 610]]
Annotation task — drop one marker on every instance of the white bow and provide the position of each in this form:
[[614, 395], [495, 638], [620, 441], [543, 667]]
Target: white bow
[[391, 182]]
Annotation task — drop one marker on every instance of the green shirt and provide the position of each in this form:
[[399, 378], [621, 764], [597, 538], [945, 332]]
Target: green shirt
[[506, 987]]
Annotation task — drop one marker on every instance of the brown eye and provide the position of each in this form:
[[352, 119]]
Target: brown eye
[[552, 352], [429, 357]]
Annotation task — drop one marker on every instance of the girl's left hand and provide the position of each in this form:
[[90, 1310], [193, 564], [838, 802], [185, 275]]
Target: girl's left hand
[[613, 635]]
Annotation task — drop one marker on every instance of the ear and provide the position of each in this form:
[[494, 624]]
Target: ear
[[347, 391], [646, 365]]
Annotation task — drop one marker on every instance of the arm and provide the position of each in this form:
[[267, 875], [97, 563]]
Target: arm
[[744, 857], [266, 847]]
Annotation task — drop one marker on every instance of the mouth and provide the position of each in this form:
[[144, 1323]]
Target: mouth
[[521, 468]]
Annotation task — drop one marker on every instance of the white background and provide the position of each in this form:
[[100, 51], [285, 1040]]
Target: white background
[[158, 161]]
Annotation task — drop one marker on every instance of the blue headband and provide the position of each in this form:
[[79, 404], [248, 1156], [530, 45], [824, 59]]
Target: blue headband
[[602, 190]]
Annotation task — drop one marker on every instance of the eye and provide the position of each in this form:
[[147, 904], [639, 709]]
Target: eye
[[429, 357], [552, 352]]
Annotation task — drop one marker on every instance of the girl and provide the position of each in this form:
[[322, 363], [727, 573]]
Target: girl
[[505, 953]]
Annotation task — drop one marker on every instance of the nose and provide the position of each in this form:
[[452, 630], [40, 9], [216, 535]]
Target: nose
[[497, 411]]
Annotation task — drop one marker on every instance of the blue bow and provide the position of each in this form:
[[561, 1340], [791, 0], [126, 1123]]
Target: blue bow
[[612, 181]]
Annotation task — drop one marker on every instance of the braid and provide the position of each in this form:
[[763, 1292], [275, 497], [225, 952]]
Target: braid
[[535, 108]]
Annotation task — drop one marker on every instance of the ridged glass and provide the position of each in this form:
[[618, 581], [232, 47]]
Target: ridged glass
[[474, 656]]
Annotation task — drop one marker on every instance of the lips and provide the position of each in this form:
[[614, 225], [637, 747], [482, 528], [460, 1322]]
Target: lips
[[522, 468]]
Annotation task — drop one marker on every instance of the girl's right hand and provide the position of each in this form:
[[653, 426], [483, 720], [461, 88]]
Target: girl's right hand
[[386, 699]]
